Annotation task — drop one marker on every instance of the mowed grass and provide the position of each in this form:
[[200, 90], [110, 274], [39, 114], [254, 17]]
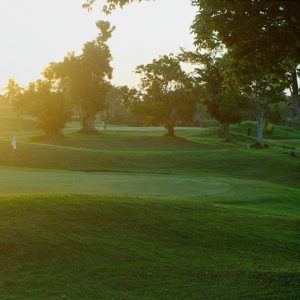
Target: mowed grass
[[28, 181], [151, 152], [96, 247], [131, 214]]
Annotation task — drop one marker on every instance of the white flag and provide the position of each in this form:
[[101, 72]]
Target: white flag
[[14, 143]]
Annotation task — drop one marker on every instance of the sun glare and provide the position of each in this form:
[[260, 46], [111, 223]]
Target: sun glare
[[34, 33]]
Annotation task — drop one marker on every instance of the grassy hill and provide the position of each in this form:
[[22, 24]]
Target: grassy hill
[[97, 247], [131, 214], [151, 152]]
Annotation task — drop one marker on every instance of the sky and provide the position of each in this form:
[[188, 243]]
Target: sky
[[34, 33]]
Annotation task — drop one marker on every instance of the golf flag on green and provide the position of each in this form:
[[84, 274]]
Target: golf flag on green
[[14, 143]]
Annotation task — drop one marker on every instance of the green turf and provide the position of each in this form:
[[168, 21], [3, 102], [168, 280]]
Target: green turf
[[93, 247], [131, 214], [270, 165], [26, 181]]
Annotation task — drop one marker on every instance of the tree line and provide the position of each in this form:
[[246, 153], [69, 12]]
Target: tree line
[[247, 56], [260, 37]]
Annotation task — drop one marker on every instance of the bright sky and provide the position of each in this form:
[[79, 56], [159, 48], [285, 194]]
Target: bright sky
[[36, 32]]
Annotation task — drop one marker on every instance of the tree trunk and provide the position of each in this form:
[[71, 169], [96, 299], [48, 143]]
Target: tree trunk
[[295, 86], [171, 130], [171, 123], [260, 133], [226, 132], [260, 129], [259, 114], [295, 99], [88, 124]]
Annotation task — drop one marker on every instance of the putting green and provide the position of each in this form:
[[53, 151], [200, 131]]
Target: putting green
[[28, 181]]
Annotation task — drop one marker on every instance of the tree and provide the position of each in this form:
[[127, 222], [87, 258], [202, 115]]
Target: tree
[[87, 76], [261, 90], [253, 29], [166, 92], [12, 91], [261, 93], [224, 101], [262, 37], [48, 104], [118, 106], [226, 108]]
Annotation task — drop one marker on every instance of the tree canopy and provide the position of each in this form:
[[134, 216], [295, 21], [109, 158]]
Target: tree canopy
[[260, 34], [263, 39], [47, 102], [223, 99], [167, 92], [87, 76]]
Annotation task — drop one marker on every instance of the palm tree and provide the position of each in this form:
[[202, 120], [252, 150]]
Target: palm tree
[[12, 91]]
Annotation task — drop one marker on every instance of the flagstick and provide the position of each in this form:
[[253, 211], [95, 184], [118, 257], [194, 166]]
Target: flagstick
[[13, 157], [14, 147]]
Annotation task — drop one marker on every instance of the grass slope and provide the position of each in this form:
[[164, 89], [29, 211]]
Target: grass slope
[[92, 247], [191, 158], [186, 218]]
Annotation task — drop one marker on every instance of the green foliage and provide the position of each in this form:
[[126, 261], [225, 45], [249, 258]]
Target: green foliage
[[118, 107], [262, 37], [87, 76], [47, 104], [226, 107], [279, 112], [260, 34], [223, 99], [12, 91], [167, 92]]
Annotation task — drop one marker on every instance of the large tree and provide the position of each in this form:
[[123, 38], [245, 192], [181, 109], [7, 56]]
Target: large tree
[[263, 36], [87, 76], [223, 99], [166, 92], [260, 88], [251, 27]]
